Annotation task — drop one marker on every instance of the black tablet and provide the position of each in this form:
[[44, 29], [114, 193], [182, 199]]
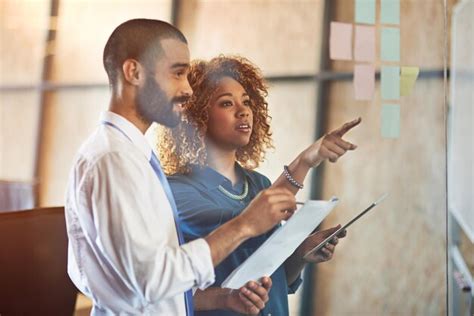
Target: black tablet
[[337, 232]]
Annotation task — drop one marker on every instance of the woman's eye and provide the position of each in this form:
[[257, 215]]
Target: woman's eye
[[247, 103], [226, 103]]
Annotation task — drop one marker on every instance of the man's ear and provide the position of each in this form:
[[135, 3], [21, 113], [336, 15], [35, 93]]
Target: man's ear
[[133, 72]]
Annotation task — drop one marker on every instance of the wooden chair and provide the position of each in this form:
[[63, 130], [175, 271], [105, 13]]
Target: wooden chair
[[33, 263]]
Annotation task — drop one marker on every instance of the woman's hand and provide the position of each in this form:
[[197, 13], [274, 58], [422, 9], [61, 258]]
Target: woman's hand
[[331, 146], [326, 252]]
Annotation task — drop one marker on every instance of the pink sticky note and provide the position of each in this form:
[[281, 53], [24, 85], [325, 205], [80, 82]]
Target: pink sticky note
[[364, 46], [364, 82], [340, 41]]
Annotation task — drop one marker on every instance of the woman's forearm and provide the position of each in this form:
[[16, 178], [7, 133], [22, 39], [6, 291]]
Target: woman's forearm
[[298, 169], [293, 267]]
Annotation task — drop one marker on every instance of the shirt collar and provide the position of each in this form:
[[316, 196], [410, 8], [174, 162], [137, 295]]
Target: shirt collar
[[130, 130]]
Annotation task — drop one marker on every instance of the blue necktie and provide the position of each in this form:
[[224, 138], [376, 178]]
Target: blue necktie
[[155, 164]]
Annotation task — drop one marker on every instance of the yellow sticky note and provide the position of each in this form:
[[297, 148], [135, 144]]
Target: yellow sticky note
[[408, 76]]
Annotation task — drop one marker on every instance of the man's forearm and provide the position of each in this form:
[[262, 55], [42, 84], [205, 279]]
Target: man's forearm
[[226, 239], [210, 299]]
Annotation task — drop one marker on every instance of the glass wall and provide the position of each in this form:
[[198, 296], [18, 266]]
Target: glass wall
[[394, 260]]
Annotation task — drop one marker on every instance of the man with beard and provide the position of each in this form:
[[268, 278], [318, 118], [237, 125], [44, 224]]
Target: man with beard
[[126, 250]]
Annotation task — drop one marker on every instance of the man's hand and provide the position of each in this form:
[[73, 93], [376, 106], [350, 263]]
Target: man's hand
[[331, 146], [266, 210], [326, 252], [249, 299]]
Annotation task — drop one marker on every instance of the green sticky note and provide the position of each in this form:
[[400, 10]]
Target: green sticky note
[[390, 12], [390, 83], [408, 76], [390, 127], [365, 11], [390, 41]]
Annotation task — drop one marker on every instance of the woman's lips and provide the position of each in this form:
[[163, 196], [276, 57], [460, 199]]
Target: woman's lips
[[244, 128]]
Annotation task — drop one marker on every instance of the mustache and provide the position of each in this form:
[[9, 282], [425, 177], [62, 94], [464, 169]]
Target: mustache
[[182, 99]]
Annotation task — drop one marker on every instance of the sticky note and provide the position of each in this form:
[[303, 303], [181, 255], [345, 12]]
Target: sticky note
[[364, 82], [364, 46], [390, 83], [390, 44], [390, 12], [365, 11], [340, 41], [408, 76], [390, 125]]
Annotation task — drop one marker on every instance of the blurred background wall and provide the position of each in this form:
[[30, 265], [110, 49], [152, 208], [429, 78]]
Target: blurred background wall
[[53, 88], [395, 260]]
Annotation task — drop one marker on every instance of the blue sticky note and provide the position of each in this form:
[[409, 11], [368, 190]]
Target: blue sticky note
[[390, 50], [390, 12], [365, 11], [390, 125], [390, 82]]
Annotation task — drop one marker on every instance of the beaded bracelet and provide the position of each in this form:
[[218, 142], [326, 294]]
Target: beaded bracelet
[[290, 179]]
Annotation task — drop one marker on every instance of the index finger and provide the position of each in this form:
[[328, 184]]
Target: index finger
[[266, 282], [330, 231], [284, 201], [256, 289], [347, 126]]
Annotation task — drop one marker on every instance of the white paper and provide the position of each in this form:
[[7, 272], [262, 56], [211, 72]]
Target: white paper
[[281, 244]]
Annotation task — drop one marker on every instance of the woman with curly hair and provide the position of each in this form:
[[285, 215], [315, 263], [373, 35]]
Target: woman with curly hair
[[210, 157]]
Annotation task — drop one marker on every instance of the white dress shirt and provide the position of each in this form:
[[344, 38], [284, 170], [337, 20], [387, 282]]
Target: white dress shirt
[[123, 245]]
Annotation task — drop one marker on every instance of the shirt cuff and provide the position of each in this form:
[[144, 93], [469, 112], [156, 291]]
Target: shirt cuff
[[293, 287], [200, 256]]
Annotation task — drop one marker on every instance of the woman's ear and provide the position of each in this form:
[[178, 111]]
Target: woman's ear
[[132, 72]]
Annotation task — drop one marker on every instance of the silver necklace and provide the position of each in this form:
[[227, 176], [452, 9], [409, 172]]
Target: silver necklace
[[235, 196]]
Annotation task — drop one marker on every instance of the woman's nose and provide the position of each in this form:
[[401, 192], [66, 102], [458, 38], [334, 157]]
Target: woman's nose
[[243, 113]]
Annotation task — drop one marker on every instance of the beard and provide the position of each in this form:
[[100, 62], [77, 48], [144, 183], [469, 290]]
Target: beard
[[153, 104]]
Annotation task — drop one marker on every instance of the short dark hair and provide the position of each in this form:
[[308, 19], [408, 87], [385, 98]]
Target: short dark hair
[[138, 39]]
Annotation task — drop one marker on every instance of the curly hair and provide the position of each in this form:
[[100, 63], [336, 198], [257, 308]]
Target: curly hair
[[184, 144]]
